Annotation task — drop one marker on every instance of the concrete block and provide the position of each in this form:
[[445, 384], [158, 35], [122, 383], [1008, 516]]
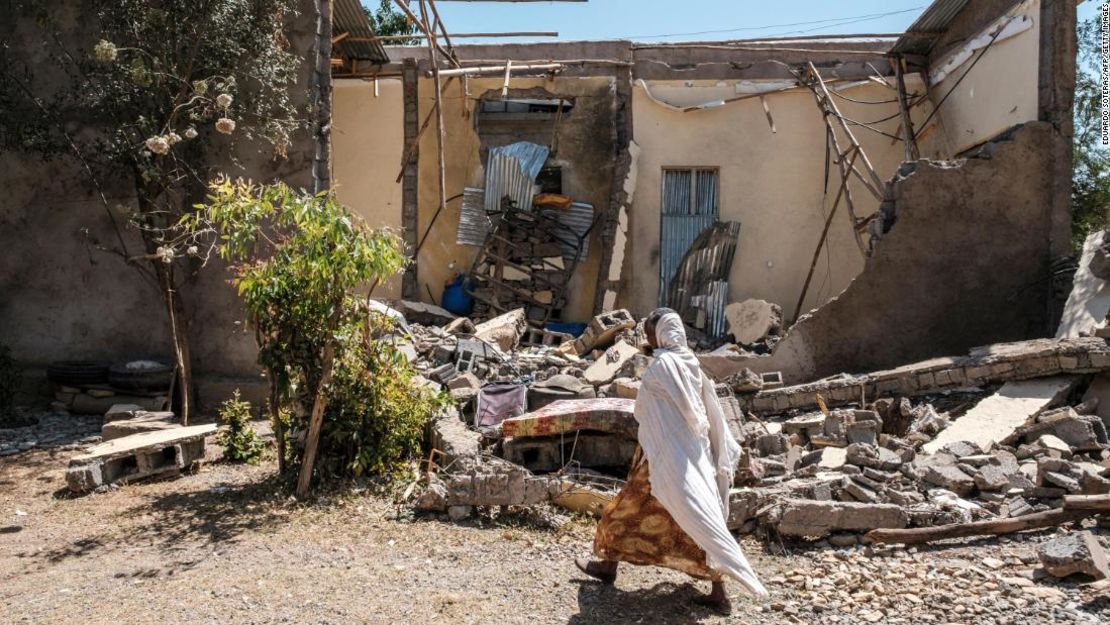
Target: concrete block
[[1079, 552], [753, 320], [137, 456], [464, 387], [800, 517], [1089, 300], [87, 404], [998, 416], [603, 329], [121, 411], [941, 470], [604, 369], [503, 331], [626, 388], [140, 421], [872, 456]]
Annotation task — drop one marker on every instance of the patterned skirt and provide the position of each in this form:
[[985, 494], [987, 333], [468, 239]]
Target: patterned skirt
[[635, 528]]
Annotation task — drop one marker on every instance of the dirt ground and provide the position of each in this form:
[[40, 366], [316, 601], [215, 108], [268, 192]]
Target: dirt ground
[[225, 545]]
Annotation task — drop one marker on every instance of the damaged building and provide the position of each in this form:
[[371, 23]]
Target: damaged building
[[868, 238], [955, 137], [960, 233]]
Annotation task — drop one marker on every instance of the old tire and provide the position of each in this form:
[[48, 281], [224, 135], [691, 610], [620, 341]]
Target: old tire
[[154, 378], [77, 372]]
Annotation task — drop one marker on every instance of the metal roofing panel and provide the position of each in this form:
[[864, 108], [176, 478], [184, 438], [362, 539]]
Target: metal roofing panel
[[934, 19], [348, 16], [511, 170], [475, 223]]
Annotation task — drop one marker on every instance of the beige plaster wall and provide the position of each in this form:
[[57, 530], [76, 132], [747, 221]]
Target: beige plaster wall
[[998, 93], [771, 182], [368, 137], [586, 177]]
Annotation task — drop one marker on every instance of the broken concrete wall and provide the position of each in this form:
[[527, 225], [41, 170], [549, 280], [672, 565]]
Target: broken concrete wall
[[62, 299], [964, 265]]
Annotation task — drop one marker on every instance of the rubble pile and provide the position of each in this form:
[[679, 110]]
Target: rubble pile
[[1007, 431]]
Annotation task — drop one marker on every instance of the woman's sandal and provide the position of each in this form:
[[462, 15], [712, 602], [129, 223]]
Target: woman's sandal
[[596, 570]]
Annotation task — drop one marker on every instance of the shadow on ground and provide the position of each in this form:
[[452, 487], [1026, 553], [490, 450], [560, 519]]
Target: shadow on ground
[[213, 515], [664, 603]]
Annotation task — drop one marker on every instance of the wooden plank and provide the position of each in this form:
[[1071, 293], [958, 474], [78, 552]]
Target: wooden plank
[[496, 69]]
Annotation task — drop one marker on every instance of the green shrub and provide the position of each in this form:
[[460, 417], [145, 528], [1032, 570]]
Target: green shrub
[[241, 443], [302, 264], [376, 411]]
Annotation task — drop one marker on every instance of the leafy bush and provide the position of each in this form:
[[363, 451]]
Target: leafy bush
[[377, 412], [9, 385], [298, 260], [241, 443]]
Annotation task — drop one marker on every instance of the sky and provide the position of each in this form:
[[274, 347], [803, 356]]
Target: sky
[[685, 20]]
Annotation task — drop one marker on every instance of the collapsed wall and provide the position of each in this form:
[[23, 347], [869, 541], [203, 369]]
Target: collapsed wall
[[966, 263]]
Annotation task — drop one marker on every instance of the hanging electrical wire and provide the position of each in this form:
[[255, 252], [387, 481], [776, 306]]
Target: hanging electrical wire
[[936, 108], [827, 23]]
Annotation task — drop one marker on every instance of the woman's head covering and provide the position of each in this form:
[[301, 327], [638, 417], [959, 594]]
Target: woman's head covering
[[670, 333]]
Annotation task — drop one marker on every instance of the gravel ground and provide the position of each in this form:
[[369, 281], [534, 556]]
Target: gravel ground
[[224, 546]]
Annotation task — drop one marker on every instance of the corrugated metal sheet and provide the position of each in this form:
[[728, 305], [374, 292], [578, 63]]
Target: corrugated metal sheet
[[348, 17], [511, 170], [701, 282], [475, 223], [690, 206], [934, 19], [677, 233], [713, 303]]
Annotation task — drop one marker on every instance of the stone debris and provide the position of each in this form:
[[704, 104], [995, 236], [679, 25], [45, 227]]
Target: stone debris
[[52, 429], [998, 434], [753, 321], [801, 517], [605, 368], [504, 331], [1089, 300], [997, 416], [1079, 552]]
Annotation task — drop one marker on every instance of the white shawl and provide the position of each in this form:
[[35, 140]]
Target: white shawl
[[690, 450]]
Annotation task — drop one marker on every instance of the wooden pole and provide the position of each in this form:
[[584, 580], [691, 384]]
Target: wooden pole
[[903, 107], [319, 404], [497, 69], [824, 236], [990, 527], [443, 31], [1087, 502], [831, 106], [441, 161], [411, 148], [508, 75], [846, 171], [423, 26]]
